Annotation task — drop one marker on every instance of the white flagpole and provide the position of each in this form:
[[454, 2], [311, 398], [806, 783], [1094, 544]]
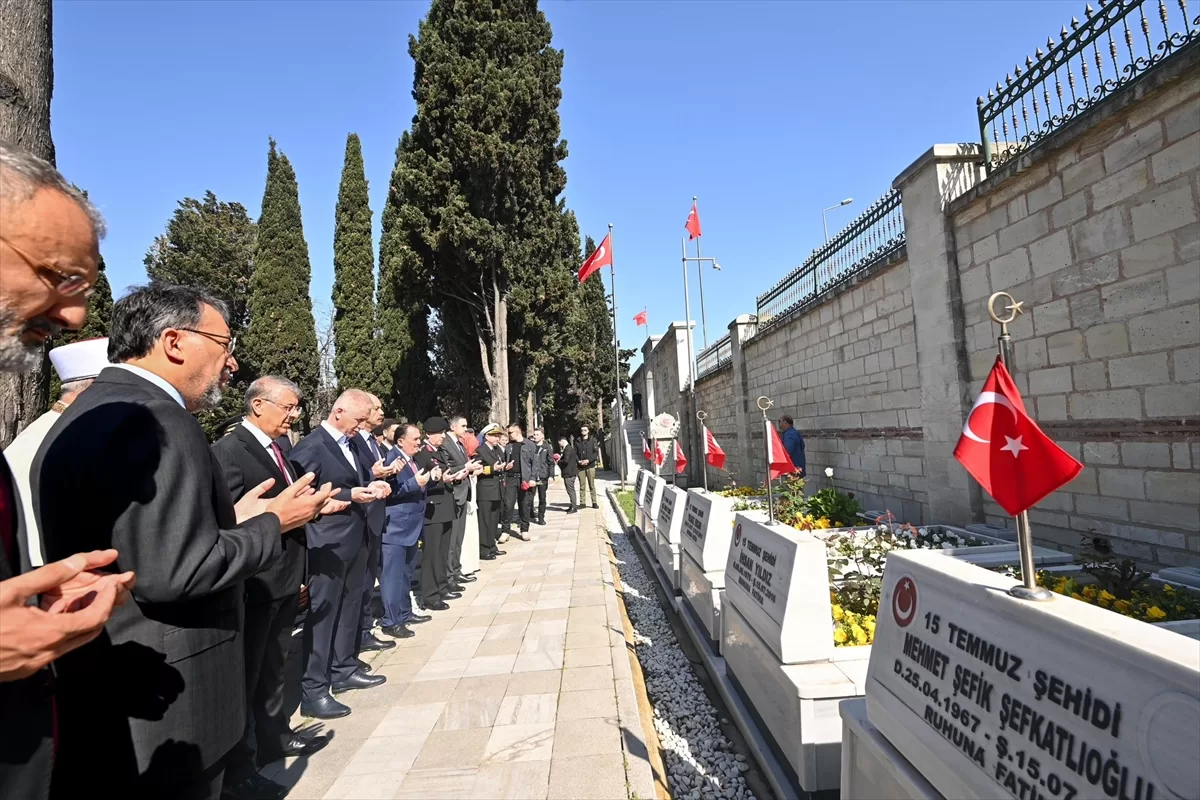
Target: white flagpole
[[700, 273], [618, 422]]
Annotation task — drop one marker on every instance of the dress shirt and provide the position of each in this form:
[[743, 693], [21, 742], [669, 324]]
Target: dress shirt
[[157, 380], [371, 444], [269, 445], [343, 442]]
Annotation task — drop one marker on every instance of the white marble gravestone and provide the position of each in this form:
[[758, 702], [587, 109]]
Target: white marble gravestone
[[705, 536], [666, 528], [651, 497], [990, 696], [639, 490]]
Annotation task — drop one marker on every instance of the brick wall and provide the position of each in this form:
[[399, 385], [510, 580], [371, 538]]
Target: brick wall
[[715, 396], [1100, 237]]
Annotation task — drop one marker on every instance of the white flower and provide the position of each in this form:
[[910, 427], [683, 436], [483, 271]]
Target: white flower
[[947, 546], [829, 472]]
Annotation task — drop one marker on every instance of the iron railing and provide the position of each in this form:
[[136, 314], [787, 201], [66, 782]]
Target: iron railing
[[713, 357], [1004, 116], [877, 233]]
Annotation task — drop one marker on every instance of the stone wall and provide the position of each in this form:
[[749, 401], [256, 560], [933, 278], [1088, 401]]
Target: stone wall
[[715, 396], [1100, 237]]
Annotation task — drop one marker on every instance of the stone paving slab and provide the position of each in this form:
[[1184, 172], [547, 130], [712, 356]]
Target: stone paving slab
[[522, 689]]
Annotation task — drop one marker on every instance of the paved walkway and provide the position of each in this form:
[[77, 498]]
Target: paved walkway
[[522, 689]]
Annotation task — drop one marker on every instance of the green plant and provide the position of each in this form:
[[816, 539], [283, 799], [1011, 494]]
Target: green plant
[[789, 499], [625, 501], [1119, 578], [838, 507]]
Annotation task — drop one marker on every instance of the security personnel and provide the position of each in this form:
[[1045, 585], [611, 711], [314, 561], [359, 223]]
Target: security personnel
[[488, 490]]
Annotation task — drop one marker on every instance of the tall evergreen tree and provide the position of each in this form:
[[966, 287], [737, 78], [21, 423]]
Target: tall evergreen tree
[[354, 278], [478, 178], [210, 244], [282, 336], [99, 315]]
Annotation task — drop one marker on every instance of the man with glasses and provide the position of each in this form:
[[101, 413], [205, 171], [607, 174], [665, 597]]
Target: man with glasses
[[248, 457], [157, 703]]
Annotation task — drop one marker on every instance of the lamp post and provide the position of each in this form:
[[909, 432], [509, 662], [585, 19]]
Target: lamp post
[[824, 223]]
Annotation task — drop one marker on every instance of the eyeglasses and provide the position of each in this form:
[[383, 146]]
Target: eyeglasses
[[290, 411], [228, 342], [67, 284]]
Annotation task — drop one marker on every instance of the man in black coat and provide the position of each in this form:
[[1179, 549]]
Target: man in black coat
[[156, 703], [337, 558], [248, 456], [436, 535], [568, 464], [43, 220], [487, 490], [454, 455], [367, 451], [524, 455], [588, 451], [543, 470]]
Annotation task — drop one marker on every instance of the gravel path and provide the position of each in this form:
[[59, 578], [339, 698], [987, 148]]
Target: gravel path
[[700, 761]]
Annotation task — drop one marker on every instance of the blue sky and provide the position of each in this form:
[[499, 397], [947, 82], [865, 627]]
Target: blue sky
[[768, 111]]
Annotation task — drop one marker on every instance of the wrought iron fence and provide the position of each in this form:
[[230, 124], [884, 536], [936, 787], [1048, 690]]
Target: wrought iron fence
[[713, 357], [877, 233], [1147, 36]]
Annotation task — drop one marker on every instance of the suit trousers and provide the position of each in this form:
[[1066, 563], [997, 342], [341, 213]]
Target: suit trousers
[[587, 480], [458, 533], [396, 582], [489, 524], [374, 566], [569, 482], [331, 627], [435, 559], [541, 500], [526, 507], [508, 501], [268, 638]]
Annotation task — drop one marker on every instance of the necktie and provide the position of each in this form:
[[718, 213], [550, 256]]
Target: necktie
[[280, 463]]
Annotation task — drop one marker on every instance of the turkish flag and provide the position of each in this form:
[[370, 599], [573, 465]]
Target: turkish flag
[[646, 449], [602, 257], [1007, 452], [693, 222], [778, 461], [680, 459], [640, 318], [713, 453]]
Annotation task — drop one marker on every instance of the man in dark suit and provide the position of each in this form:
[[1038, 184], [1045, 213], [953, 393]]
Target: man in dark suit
[[543, 470], [488, 490], [337, 553], [515, 486], [454, 454], [43, 220], [436, 586], [405, 519], [385, 436], [248, 456], [568, 464], [137, 468], [367, 451], [525, 457]]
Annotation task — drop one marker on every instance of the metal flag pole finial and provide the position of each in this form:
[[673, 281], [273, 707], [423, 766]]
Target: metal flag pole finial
[[703, 415], [764, 404], [1029, 589]]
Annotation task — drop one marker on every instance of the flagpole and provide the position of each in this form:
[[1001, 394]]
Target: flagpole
[[1029, 589], [700, 415], [619, 422], [763, 404], [687, 321], [700, 273]]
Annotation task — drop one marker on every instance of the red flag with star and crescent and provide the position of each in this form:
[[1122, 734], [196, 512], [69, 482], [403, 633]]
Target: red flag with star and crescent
[[693, 222], [601, 257], [1005, 450], [681, 461]]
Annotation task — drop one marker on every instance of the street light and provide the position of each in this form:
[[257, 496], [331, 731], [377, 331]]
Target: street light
[[845, 202]]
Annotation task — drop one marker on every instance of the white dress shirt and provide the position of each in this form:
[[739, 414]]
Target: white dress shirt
[[266, 442], [343, 442], [157, 380]]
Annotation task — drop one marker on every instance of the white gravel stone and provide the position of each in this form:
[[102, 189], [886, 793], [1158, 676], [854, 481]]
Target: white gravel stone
[[699, 759]]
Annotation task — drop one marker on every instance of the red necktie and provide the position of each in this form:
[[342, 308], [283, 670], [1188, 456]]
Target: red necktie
[[279, 461]]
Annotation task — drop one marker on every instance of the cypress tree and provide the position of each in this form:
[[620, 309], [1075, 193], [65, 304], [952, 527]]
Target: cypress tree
[[281, 338], [354, 278], [99, 314]]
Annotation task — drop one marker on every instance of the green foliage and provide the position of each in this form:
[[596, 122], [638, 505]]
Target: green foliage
[[839, 508], [99, 314], [789, 499], [354, 278], [282, 337], [625, 500], [210, 244]]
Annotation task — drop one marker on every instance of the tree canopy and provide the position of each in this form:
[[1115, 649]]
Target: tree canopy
[[354, 278]]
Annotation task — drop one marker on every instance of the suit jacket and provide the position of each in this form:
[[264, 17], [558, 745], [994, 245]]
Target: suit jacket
[[161, 693], [488, 482], [543, 461], [439, 497], [345, 531], [526, 461], [454, 456], [406, 503], [569, 462], [26, 712], [245, 463], [376, 509], [587, 449]]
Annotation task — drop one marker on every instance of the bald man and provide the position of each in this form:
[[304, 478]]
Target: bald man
[[338, 546]]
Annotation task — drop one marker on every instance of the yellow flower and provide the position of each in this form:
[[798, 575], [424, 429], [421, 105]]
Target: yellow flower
[[1060, 585], [1156, 613], [1122, 606], [1089, 592], [1077, 596], [1168, 588], [869, 624], [860, 636], [1103, 603], [1104, 595], [839, 636], [823, 523], [838, 613]]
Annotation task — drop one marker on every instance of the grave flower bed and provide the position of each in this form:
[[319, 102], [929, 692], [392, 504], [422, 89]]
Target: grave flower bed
[[1147, 603]]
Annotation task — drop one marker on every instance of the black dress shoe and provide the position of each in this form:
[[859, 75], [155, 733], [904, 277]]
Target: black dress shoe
[[521, 536], [254, 787], [304, 746], [325, 708], [372, 642], [451, 595], [499, 552], [358, 681], [436, 605], [487, 557], [417, 619], [573, 510], [467, 579], [364, 666], [594, 505], [454, 587], [541, 520], [398, 632]]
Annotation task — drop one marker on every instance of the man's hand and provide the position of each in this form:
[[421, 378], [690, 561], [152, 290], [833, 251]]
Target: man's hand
[[362, 494], [302, 597], [380, 471], [298, 503], [381, 488], [334, 506], [252, 503], [76, 593], [34, 637]]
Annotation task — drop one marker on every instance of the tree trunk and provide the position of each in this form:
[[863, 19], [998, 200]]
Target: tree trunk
[[530, 417], [26, 83], [501, 406], [599, 412]]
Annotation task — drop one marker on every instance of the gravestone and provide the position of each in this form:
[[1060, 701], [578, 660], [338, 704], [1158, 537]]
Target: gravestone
[[667, 531], [987, 695], [650, 502], [705, 536], [639, 489]]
